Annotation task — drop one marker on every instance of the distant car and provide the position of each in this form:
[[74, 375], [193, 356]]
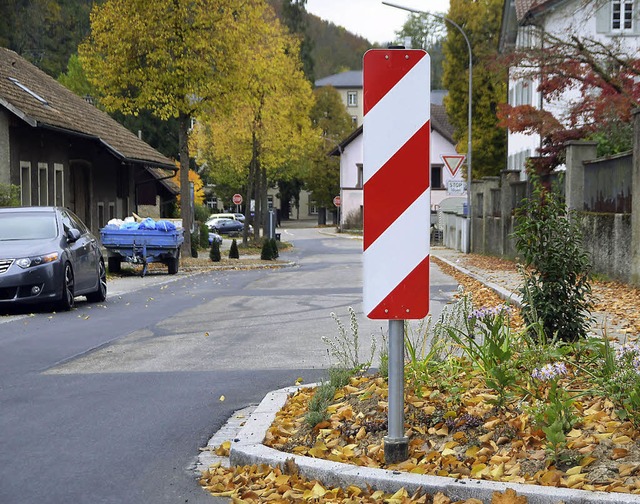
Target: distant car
[[225, 226], [214, 237], [48, 255], [239, 217]]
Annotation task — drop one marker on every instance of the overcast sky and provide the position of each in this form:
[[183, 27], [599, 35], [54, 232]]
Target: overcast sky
[[370, 18]]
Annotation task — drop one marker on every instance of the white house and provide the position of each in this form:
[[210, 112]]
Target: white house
[[523, 21], [350, 151], [349, 86]]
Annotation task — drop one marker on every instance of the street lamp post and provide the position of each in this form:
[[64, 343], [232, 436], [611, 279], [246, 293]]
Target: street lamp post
[[469, 109]]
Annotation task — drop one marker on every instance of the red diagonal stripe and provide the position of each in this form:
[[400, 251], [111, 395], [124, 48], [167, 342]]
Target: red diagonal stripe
[[404, 298], [383, 69], [396, 185]]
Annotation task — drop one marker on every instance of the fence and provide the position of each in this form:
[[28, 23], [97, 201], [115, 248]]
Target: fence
[[599, 190]]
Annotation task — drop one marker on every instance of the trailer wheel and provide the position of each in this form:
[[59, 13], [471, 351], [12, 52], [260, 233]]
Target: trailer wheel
[[114, 264], [173, 263]]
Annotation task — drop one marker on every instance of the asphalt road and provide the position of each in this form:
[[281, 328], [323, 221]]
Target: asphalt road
[[110, 402]]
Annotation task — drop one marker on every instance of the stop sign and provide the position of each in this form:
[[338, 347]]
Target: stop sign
[[237, 199], [336, 201]]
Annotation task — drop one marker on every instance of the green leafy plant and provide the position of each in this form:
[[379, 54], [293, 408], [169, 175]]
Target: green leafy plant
[[234, 253], [214, 252], [554, 412], [556, 275], [488, 342], [9, 195]]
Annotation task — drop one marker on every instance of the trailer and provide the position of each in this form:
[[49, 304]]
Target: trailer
[[142, 246]]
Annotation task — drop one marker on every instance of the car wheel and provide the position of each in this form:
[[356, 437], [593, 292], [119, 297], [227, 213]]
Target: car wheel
[[101, 293], [68, 300]]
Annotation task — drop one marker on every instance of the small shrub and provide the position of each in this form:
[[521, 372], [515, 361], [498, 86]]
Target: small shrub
[[214, 252], [195, 241], [267, 251], [317, 409], [274, 248], [204, 236], [556, 290], [234, 253]]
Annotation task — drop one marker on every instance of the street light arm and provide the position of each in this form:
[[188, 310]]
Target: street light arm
[[469, 108]]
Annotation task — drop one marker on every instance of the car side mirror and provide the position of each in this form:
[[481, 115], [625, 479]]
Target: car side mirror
[[73, 235]]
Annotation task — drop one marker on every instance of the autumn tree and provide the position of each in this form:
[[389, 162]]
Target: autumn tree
[[604, 80], [330, 117], [172, 57], [480, 21], [268, 131]]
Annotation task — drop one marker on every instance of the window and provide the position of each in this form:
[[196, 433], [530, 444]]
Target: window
[[112, 210], [25, 183], [43, 184], [352, 98], [360, 179], [354, 120], [621, 15], [436, 177], [313, 207], [58, 185], [101, 222]]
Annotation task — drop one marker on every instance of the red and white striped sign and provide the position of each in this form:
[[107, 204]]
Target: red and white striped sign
[[397, 196]]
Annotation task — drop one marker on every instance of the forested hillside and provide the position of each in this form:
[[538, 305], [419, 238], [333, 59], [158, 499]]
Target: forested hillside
[[47, 33]]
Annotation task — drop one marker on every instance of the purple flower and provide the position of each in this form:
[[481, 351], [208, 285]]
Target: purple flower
[[550, 372]]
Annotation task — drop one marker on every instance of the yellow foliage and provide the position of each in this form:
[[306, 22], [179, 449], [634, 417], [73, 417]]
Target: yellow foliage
[[198, 185]]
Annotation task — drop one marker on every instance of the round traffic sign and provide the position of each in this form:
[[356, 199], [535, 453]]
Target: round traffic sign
[[237, 199], [336, 201]]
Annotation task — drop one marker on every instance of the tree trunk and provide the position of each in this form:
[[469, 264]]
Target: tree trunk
[[185, 191]]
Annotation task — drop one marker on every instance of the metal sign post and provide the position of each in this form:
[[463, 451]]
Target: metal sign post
[[397, 208]]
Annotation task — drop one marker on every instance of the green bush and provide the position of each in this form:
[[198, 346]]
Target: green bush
[[214, 252], [233, 250], [556, 290], [9, 195], [274, 248], [267, 251], [195, 242], [204, 236]]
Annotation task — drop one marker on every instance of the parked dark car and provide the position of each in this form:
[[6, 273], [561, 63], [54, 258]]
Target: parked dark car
[[48, 255], [226, 226]]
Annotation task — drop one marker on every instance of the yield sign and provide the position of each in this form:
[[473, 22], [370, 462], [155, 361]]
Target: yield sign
[[453, 162]]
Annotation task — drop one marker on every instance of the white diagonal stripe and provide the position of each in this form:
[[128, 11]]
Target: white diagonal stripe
[[390, 259], [396, 117]]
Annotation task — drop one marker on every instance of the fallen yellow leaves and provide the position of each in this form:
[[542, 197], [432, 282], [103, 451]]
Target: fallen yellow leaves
[[466, 441], [263, 483]]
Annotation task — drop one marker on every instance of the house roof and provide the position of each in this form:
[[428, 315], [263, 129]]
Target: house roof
[[439, 122], [349, 79], [519, 13], [42, 102]]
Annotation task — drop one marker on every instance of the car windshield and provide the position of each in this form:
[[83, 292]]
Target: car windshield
[[27, 226]]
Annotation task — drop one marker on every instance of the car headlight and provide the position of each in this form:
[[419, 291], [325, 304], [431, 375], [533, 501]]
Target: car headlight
[[29, 262]]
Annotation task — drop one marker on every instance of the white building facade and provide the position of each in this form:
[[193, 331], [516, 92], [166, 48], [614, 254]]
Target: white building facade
[[610, 22]]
